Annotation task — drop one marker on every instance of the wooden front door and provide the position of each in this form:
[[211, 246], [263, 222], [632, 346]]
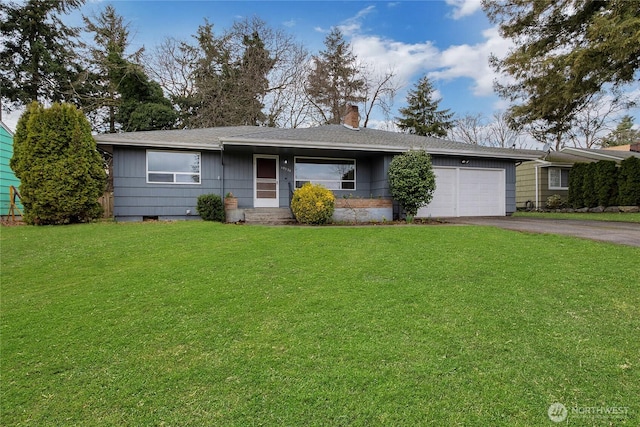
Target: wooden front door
[[265, 182]]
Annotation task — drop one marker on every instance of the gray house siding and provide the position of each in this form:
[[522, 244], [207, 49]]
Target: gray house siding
[[221, 173], [238, 173], [135, 199], [233, 170], [507, 165]]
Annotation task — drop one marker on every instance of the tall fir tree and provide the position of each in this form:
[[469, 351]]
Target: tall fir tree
[[421, 116], [100, 90], [334, 80], [37, 58], [253, 83], [230, 78]]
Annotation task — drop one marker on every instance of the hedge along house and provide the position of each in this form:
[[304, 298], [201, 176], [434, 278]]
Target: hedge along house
[[160, 174], [7, 177], [541, 178]]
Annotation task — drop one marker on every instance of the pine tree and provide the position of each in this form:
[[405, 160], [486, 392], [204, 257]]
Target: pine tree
[[101, 87], [60, 170], [252, 80], [231, 79], [565, 52], [623, 134], [421, 116], [37, 58], [335, 81]]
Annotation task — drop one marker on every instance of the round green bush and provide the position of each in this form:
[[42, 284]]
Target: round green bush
[[313, 204], [210, 207]]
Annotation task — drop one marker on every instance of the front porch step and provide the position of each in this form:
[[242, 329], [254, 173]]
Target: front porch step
[[275, 216]]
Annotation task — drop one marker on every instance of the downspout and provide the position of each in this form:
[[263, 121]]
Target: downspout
[[537, 189], [222, 170]]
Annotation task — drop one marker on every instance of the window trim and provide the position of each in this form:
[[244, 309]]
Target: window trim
[[174, 173], [355, 172], [559, 169]]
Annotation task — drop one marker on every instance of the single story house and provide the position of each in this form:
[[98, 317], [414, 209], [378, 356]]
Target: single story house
[[7, 177], [160, 174], [538, 179]]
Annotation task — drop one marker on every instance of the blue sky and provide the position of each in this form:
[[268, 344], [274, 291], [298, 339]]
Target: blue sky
[[449, 40]]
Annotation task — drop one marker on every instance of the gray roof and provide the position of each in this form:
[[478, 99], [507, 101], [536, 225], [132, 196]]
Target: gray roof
[[600, 154], [336, 137]]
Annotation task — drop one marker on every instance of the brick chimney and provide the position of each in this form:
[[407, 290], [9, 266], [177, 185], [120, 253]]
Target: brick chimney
[[352, 118]]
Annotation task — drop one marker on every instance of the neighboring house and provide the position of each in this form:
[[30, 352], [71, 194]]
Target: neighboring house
[[160, 174], [538, 179], [7, 177]]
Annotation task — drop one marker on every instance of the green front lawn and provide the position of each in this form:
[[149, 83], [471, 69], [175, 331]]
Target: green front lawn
[[604, 216], [196, 323]]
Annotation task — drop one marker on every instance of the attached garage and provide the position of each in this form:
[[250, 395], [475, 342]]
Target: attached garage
[[464, 191]]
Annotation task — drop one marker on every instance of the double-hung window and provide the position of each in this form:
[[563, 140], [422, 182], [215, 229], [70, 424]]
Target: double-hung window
[[558, 179], [173, 167], [334, 174]]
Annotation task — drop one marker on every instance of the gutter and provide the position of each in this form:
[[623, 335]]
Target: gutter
[[159, 144], [375, 148]]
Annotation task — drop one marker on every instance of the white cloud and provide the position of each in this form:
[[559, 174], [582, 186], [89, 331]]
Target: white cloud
[[462, 8], [455, 62], [353, 25], [472, 61], [405, 59]]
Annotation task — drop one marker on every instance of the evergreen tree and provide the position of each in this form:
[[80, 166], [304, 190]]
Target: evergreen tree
[[101, 89], [421, 116], [253, 83], [214, 75], [37, 58], [565, 52], [623, 134], [334, 81], [143, 106], [230, 78], [60, 170]]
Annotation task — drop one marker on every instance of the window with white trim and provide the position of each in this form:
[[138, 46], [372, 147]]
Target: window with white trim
[[173, 167], [558, 179], [334, 174]]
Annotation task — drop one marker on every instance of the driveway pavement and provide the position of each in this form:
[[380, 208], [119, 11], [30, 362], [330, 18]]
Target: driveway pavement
[[623, 233]]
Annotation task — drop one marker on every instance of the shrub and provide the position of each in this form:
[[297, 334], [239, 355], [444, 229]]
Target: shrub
[[554, 202], [61, 172], [589, 196], [210, 207], [412, 181], [576, 178], [606, 185], [629, 182], [313, 204]]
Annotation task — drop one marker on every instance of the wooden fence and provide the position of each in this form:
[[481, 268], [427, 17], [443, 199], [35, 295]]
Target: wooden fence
[[106, 201]]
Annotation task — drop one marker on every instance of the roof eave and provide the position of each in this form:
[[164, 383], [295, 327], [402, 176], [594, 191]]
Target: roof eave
[[371, 148], [310, 145], [158, 144]]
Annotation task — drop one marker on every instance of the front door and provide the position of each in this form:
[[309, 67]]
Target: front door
[[265, 182]]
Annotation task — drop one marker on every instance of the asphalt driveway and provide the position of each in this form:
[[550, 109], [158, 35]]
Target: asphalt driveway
[[622, 233]]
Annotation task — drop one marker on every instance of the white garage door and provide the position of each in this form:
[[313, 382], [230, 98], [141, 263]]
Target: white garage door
[[467, 192]]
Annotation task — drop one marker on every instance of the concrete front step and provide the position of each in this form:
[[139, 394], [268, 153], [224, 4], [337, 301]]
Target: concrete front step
[[269, 216]]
